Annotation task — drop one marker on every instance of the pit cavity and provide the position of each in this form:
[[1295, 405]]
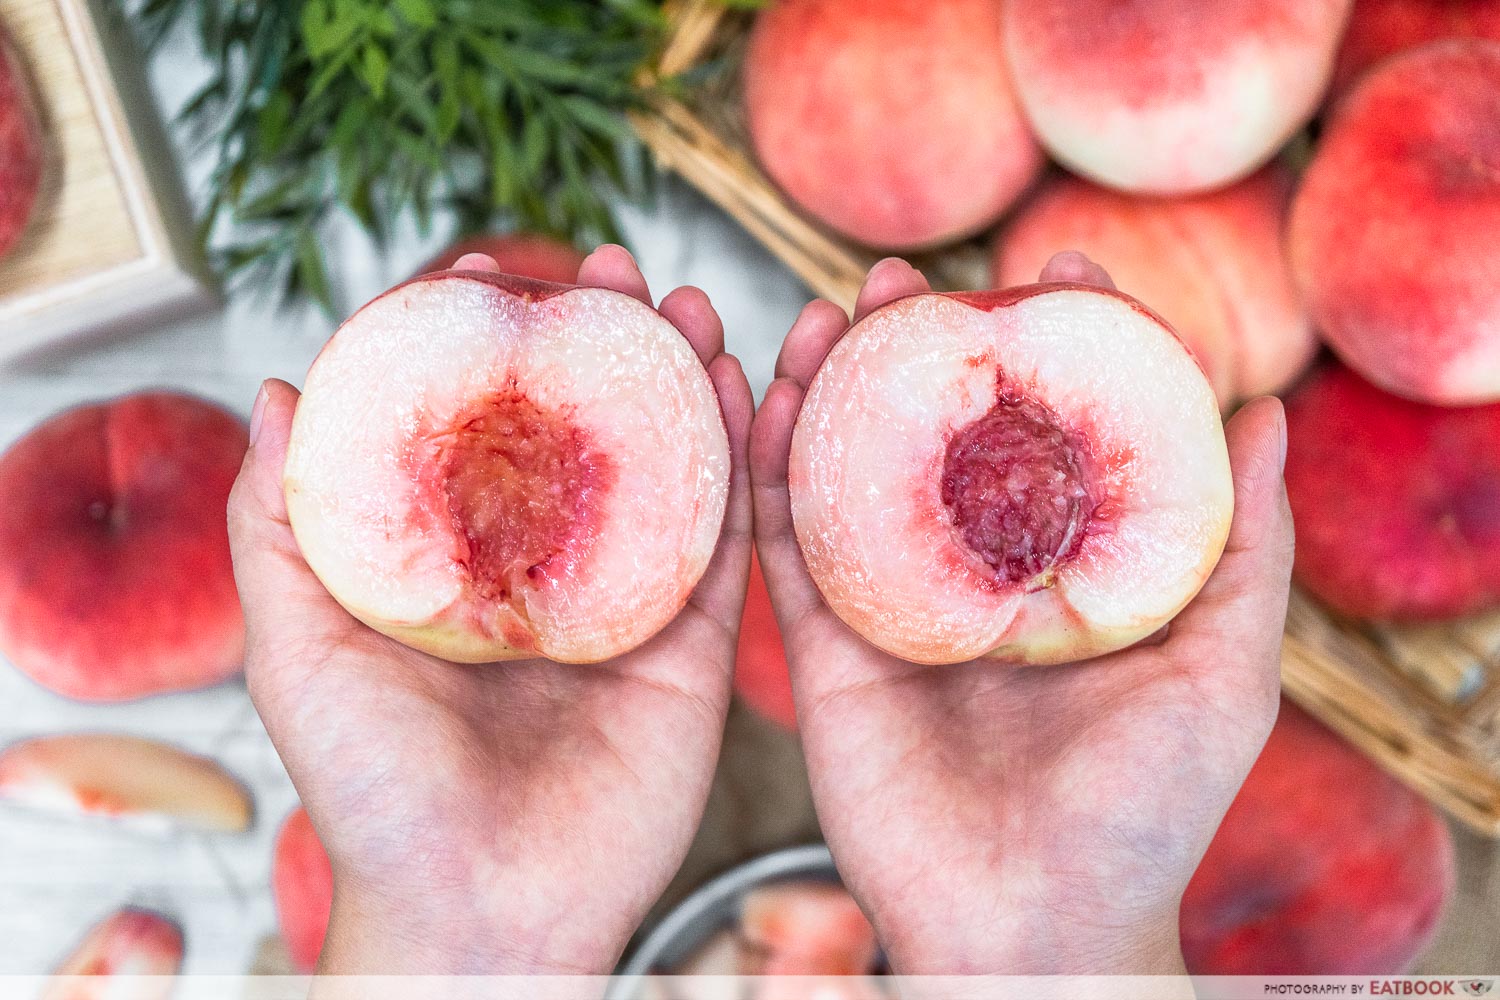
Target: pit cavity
[[523, 486], [1020, 489]]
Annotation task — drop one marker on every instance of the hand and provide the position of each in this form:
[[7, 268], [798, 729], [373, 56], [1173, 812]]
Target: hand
[[1028, 820], [503, 818]]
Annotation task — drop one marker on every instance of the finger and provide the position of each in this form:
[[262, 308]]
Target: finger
[[1070, 265], [890, 279], [611, 266], [689, 309], [277, 589], [721, 592], [476, 262], [793, 593], [1234, 626], [817, 329]]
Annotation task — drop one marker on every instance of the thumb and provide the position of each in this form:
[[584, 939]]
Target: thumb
[[279, 593]]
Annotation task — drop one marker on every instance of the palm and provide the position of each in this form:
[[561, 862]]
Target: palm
[[992, 818], [465, 786]]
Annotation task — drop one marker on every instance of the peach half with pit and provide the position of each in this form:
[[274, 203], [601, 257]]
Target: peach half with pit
[[1036, 475], [488, 467]]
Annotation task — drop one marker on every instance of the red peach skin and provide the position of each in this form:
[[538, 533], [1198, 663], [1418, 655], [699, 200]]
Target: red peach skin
[[142, 782], [1397, 503], [130, 943], [115, 577], [21, 149], [1323, 866], [302, 885], [1382, 28], [1214, 265], [760, 674], [1165, 97], [807, 929], [1393, 228], [892, 121], [526, 254]]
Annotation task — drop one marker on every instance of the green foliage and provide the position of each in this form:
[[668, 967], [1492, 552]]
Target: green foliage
[[507, 111]]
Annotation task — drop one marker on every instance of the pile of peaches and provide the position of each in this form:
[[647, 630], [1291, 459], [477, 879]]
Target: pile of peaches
[[1032, 475]]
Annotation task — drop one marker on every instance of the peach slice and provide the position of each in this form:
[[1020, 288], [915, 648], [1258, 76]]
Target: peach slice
[[302, 885], [1324, 866], [892, 121], [21, 149], [1393, 228], [1212, 264], [1037, 475], [1417, 537], [760, 671], [1381, 28], [489, 467], [115, 578], [148, 784], [807, 929], [129, 943], [1166, 97], [526, 254]]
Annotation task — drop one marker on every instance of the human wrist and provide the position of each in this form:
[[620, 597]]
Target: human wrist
[[1041, 946], [372, 933]]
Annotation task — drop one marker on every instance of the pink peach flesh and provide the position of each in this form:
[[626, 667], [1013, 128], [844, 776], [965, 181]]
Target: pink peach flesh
[[1037, 475], [546, 476], [146, 784]]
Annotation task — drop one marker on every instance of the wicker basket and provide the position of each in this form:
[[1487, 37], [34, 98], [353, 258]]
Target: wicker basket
[[1425, 701]]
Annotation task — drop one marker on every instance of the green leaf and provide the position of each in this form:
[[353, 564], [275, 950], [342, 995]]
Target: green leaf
[[376, 69], [417, 13]]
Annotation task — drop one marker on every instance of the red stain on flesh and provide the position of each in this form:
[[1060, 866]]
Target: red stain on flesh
[[522, 485]]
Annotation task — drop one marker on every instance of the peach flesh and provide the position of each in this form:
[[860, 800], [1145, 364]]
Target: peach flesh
[[21, 150], [1062, 484], [1393, 227], [302, 885], [1165, 97], [1324, 866], [1214, 265], [1417, 538], [1381, 28], [547, 478], [115, 577], [807, 929], [891, 121], [148, 785], [525, 254]]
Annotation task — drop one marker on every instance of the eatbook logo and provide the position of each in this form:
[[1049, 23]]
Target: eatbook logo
[[1478, 987]]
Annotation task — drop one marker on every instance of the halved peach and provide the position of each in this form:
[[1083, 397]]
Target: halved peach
[[131, 942], [1036, 475], [149, 784], [487, 467]]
